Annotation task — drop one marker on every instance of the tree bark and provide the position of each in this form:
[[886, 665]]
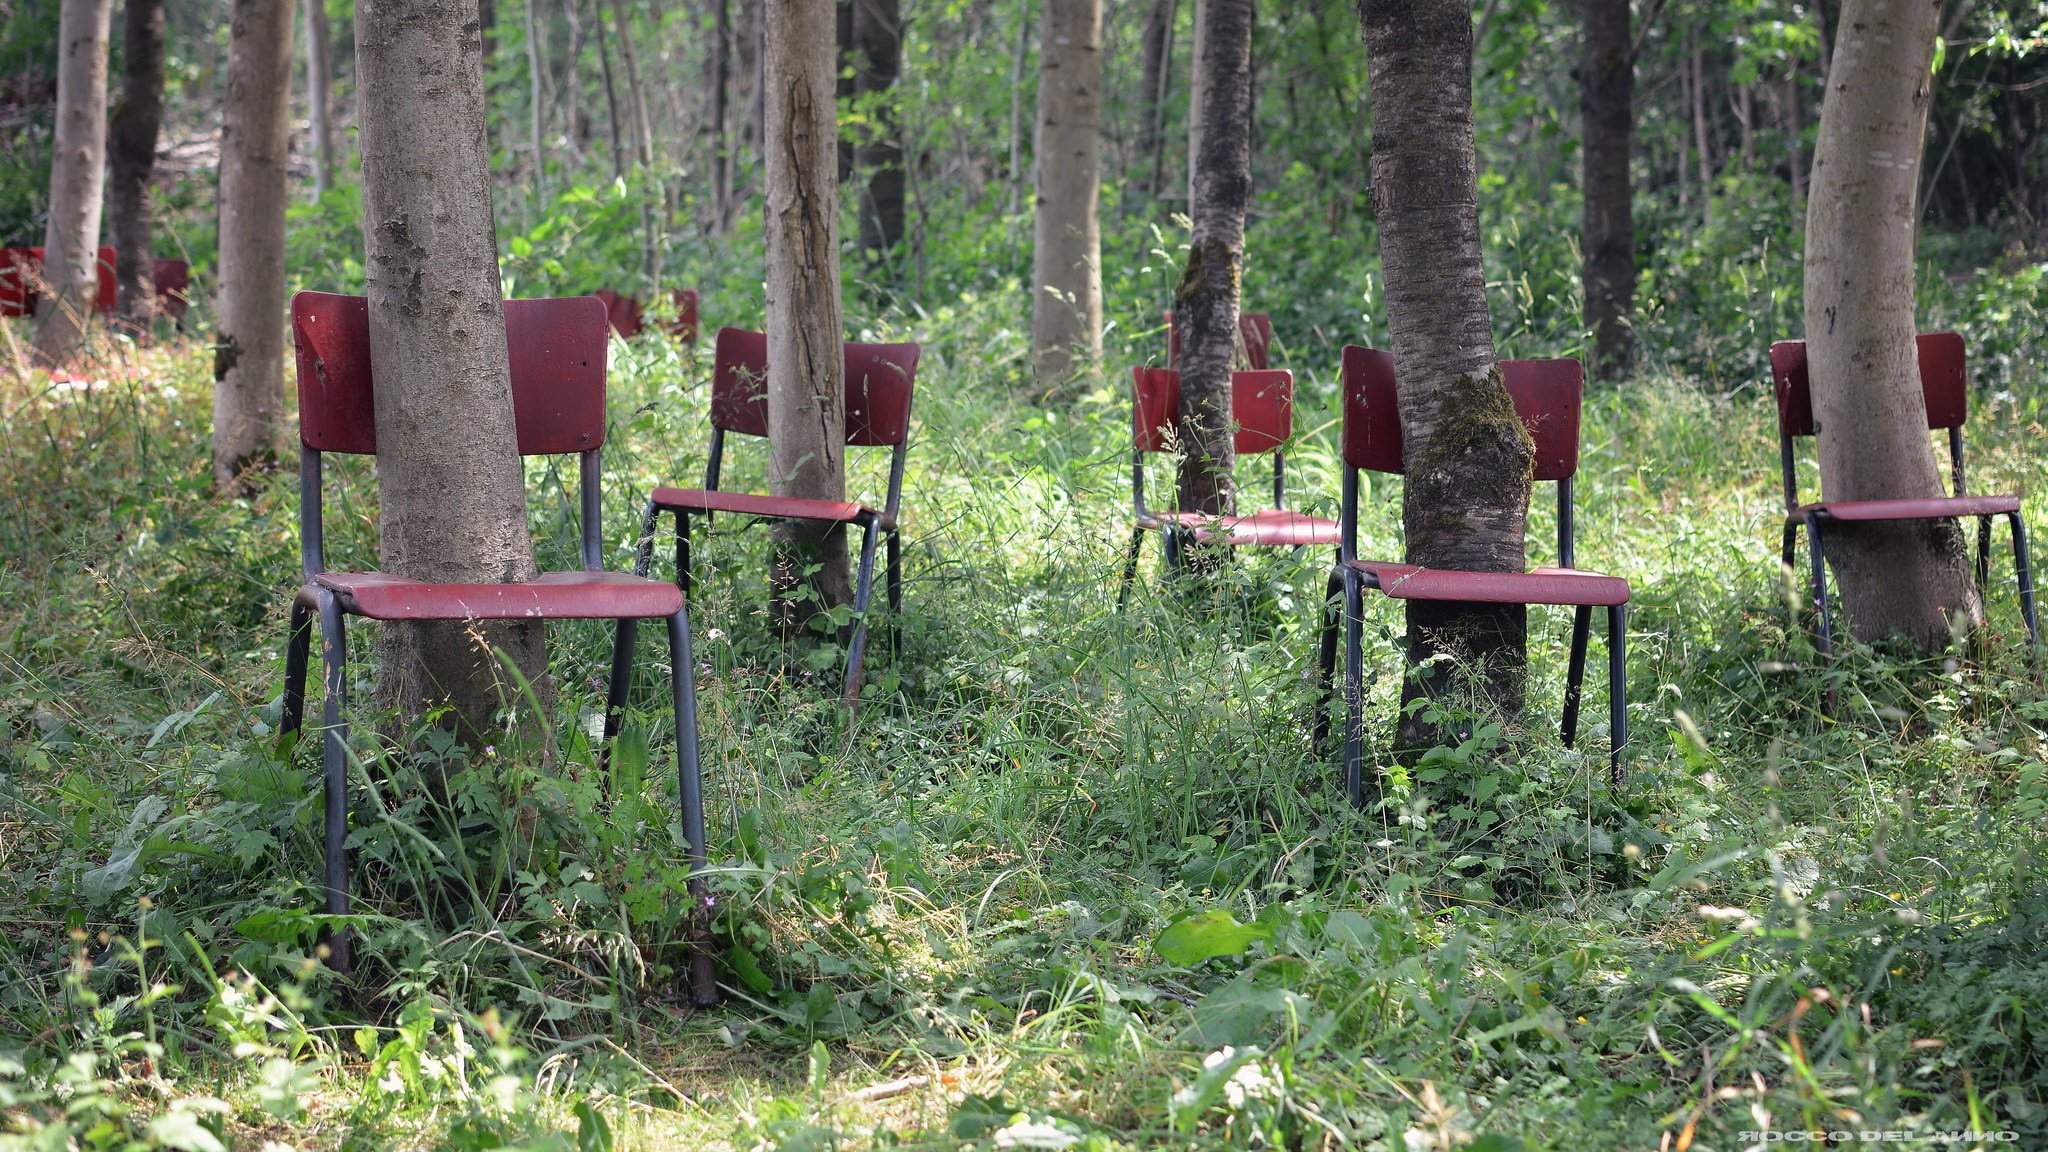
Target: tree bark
[[878, 40], [132, 159], [806, 360], [1066, 304], [1016, 169], [255, 139], [320, 95], [611, 100], [1466, 498], [452, 499], [643, 128], [1205, 305], [1607, 112], [534, 103], [721, 119], [1196, 84], [1908, 578], [1157, 47], [78, 155]]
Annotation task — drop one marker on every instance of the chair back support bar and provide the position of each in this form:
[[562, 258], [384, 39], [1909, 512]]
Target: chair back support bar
[[1944, 388]]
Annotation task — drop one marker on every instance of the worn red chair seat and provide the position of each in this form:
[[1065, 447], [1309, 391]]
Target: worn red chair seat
[[1927, 508], [1560, 586], [774, 507], [551, 596], [1268, 527]]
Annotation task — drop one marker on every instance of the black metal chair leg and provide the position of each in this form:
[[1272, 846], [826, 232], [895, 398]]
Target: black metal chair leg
[[1326, 658], [2026, 578], [690, 795], [297, 652], [1617, 692], [334, 775], [1984, 552], [863, 591], [1575, 674], [894, 544], [623, 638], [1354, 688], [1123, 592], [683, 575], [1818, 559], [1786, 545]]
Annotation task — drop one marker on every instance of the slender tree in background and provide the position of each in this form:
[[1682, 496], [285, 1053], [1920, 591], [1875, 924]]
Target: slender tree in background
[[131, 159], [806, 363], [1157, 48], [721, 118], [1196, 84], [1909, 578], [1608, 230], [255, 146], [1205, 305], [320, 95], [77, 169], [1066, 278], [1017, 62], [643, 129], [878, 44], [451, 487], [1465, 502]]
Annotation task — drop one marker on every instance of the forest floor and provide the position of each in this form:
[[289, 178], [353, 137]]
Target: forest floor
[[1074, 878]]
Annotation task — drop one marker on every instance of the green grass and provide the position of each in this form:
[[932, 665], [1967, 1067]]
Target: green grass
[[1783, 921]]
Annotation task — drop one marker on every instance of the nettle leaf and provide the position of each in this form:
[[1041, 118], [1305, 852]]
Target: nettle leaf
[[1208, 935], [1241, 1012]]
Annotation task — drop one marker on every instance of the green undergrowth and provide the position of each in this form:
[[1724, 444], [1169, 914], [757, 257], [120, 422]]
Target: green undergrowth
[[1071, 879]]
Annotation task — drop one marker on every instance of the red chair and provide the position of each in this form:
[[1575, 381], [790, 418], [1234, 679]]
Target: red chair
[[1546, 395], [1262, 407], [623, 312], [1254, 329], [558, 368], [684, 326], [173, 280], [880, 380], [21, 276], [1944, 384]]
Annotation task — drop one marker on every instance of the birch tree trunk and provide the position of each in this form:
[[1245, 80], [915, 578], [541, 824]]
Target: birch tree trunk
[[1066, 278], [255, 146], [1206, 303], [1466, 497], [878, 41], [806, 360], [452, 490], [78, 156], [1907, 578], [320, 95], [1606, 110], [131, 159]]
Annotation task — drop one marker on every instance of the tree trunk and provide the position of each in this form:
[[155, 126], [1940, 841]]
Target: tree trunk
[[78, 156], [255, 147], [1017, 61], [452, 500], [1701, 138], [1196, 85], [806, 361], [1908, 578], [1466, 499], [534, 102], [1157, 47], [1066, 301], [643, 129], [842, 86], [320, 95], [878, 38], [611, 101], [132, 159], [721, 119], [1205, 305], [1607, 112]]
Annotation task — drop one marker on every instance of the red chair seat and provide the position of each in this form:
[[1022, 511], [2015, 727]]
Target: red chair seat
[[1542, 586], [551, 596], [1272, 527], [748, 504], [1927, 508]]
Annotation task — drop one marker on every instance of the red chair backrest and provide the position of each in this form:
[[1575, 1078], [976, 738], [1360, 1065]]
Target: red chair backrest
[[1944, 382], [880, 381], [173, 280], [21, 268], [1256, 328], [106, 289], [557, 352], [622, 311], [1545, 392], [684, 327], [1261, 405]]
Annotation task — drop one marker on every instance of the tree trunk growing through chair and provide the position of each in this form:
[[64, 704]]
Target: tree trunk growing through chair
[[131, 159], [453, 504], [806, 360], [1205, 305], [878, 44], [1608, 231], [248, 360], [1066, 276], [78, 155], [1906, 578], [1469, 459], [320, 95]]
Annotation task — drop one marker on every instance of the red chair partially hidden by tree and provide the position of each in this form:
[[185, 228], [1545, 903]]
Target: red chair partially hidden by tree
[[1262, 408], [623, 311], [1254, 331], [1944, 383], [684, 326], [880, 381], [173, 281], [557, 357], [21, 281], [1546, 396]]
